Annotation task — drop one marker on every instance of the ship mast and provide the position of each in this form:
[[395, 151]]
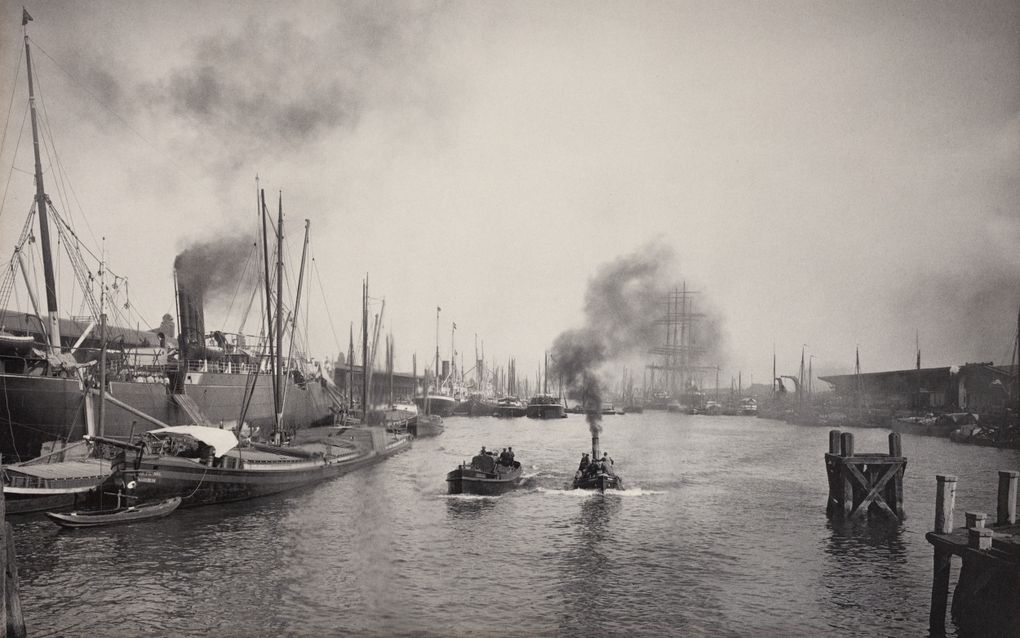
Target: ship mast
[[41, 206], [278, 399]]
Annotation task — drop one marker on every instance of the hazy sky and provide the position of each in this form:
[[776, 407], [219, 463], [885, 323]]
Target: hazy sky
[[828, 173]]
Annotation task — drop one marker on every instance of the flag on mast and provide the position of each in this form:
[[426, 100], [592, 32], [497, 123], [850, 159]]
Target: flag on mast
[[25, 18]]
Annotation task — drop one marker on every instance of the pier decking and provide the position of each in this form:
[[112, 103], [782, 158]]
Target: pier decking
[[984, 602]]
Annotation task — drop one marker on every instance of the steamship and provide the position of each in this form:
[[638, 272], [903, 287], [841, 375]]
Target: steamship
[[49, 366], [149, 385]]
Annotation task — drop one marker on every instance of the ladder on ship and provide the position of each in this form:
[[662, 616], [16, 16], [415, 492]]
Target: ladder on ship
[[188, 404]]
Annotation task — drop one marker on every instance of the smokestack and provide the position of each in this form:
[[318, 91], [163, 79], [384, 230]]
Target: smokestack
[[594, 446], [192, 322]]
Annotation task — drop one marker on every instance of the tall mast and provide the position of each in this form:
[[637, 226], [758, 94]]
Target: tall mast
[[278, 400], [545, 375], [41, 206], [269, 292], [364, 350], [297, 303], [350, 371], [436, 372]]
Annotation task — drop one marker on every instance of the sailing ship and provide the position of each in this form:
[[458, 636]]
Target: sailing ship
[[47, 386], [545, 405], [204, 465]]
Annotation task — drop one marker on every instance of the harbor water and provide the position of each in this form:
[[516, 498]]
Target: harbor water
[[721, 531]]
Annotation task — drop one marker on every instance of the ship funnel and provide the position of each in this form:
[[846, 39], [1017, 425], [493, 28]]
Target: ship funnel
[[594, 446], [192, 322]]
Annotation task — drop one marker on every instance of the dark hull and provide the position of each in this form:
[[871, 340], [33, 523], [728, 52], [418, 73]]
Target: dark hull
[[22, 504], [601, 482], [545, 412], [426, 427], [160, 478], [469, 481], [504, 411], [34, 410]]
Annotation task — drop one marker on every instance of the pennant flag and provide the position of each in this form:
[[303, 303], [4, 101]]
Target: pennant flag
[[454, 325], [25, 18], [438, 309]]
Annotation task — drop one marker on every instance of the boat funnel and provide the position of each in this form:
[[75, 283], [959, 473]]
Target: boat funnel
[[192, 322], [594, 446]]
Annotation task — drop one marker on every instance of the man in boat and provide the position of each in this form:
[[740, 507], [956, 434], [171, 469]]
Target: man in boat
[[510, 456], [504, 458], [606, 459], [584, 463]]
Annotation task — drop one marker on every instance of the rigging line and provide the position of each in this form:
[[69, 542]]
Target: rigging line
[[13, 168], [10, 105], [62, 180], [107, 107], [329, 315]]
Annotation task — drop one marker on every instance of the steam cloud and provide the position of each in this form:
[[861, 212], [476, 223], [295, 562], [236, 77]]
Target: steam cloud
[[624, 306], [210, 270]]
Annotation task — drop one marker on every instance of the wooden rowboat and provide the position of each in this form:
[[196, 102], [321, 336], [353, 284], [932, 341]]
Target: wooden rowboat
[[131, 514]]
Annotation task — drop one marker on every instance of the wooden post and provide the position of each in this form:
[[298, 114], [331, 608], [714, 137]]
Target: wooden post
[[939, 591], [975, 519], [895, 444], [1006, 512], [12, 622], [846, 444], [945, 501], [833, 441], [979, 538], [894, 491]]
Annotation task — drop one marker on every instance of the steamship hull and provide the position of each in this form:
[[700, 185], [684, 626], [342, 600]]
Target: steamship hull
[[34, 410]]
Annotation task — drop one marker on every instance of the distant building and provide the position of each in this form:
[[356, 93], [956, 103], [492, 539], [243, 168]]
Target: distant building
[[985, 388], [974, 387], [927, 388]]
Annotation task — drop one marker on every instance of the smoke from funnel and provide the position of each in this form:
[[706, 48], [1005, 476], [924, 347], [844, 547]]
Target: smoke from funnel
[[209, 271], [623, 309]]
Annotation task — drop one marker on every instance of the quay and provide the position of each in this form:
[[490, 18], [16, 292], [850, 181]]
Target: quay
[[12, 622], [988, 588], [862, 484]]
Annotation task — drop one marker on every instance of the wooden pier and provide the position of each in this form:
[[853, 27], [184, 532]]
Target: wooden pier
[[864, 484], [987, 591], [12, 623]]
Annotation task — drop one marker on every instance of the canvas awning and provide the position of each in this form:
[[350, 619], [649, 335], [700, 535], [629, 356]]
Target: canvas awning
[[221, 441]]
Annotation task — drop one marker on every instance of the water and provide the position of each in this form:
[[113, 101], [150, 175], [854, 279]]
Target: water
[[722, 531]]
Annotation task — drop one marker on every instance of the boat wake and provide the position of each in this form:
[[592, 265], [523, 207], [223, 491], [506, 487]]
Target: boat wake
[[576, 493], [468, 497]]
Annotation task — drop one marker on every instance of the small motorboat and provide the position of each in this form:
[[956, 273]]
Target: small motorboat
[[485, 475], [116, 516]]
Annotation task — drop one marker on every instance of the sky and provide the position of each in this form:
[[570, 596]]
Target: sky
[[828, 176]]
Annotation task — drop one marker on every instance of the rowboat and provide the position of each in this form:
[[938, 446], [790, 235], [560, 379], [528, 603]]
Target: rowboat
[[117, 516]]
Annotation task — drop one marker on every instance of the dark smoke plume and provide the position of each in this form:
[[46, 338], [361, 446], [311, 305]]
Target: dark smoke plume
[[209, 270], [624, 307], [273, 84]]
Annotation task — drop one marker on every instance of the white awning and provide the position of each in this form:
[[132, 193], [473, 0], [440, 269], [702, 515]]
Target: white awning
[[221, 441]]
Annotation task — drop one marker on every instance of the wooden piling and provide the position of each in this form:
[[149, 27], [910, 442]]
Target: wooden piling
[[12, 622], [846, 444], [1006, 512], [833, 441], [942, 565], [864, 483], [945, 501]]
